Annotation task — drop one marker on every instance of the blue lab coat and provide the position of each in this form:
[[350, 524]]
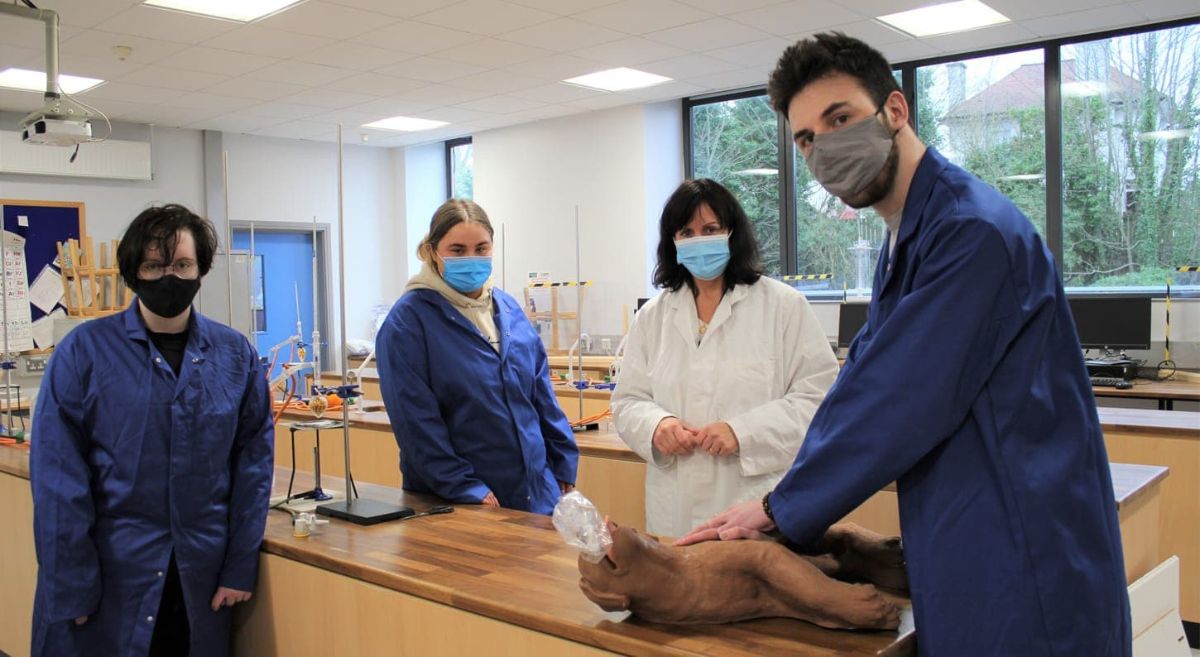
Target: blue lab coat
[[469, 420], [130, 463], [967, 387]]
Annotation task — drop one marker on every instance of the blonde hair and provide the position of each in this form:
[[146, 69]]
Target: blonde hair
[[450, 214]]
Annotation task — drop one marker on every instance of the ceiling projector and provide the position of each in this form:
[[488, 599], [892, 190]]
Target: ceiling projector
[[43, 129]]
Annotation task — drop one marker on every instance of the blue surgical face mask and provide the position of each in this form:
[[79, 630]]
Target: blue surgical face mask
[[467, 273], [705, 256]]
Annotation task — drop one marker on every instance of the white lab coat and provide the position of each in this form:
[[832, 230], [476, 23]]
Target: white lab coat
[[763, 366]]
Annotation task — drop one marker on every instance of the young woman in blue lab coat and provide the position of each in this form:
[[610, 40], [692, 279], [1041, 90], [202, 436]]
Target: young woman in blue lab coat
[[966, 387], [723, 371], [151, 463], [465, 379]]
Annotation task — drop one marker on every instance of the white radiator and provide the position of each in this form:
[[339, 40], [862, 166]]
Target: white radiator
[[113, 159]]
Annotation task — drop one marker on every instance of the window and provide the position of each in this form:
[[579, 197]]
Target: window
[[1131, 180], [460, 168], [735, 141], [1110, 177], [988, 115]]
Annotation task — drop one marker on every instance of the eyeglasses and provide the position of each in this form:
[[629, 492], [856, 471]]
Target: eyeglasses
[[152, 271]]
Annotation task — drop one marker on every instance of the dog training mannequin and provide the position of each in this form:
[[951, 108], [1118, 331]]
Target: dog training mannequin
[[728, 581]]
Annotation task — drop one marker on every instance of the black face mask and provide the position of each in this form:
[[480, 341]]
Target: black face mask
[[168, 296]]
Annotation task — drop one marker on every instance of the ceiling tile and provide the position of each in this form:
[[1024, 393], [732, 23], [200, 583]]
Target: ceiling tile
[[668, 90], [170, 25], [172, 78], [558, 92], [709, 34], [23, 57], [405, 9], [93, 67], [1019, 10], [430, 69], [30, 34], [374, 84], [564, 7], [171, 116], [87, 13], [282, 111], [301, 130], [489, 17], [388, 107], [498, 82], [354, 56], [328, 98], [985, 37], [133, 93], [203, 100], [351, 120], [327, 20], [295, 72], [1157, 10], [629, 52], [545, 112], [502, 104], [555, 68], [730, 80], [678, 68], [115, 110], [601, 102], [722, 7], [873, 32], [1082, 22], [20, 101], [255, 89], [563, 35], [762, 54], [436, 95], [493, 53], [214, 60], [907, 51], [94, 43], [791, 17], [235, 122], [452, 115], [414, 37], [259, 40], [643, 16]]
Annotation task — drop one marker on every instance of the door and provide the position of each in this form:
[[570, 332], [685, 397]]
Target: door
[[285, 304]]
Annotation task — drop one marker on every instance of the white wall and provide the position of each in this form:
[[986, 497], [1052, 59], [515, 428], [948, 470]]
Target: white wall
[[111, 204], [425, 184], [616, 166], [289, 180]]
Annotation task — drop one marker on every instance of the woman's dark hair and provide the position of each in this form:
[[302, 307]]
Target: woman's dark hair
[[743, 267], [158, 227], [826, 54]]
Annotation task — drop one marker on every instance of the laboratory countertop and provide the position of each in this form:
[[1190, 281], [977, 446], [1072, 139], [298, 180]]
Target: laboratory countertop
[[513, 567]]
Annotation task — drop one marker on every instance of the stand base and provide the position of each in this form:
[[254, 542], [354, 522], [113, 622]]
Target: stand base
[[364, 512]]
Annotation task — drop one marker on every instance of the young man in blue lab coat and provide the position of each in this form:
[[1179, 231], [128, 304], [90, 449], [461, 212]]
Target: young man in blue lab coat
[[151, 463], [966, 387]]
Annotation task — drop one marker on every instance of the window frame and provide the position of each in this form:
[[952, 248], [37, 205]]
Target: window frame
[[1052, 67], [451, 144]]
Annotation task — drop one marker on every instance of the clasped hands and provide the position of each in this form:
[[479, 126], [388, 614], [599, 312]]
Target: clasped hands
[[674, 438]]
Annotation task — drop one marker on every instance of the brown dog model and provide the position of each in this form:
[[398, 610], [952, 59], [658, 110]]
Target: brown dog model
[[727, 581]]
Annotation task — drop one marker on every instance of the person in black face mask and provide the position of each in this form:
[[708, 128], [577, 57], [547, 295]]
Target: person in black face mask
[[153, 462]]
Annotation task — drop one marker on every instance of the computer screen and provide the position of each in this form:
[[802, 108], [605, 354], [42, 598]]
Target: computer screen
[[1119, 323], [850, 322]]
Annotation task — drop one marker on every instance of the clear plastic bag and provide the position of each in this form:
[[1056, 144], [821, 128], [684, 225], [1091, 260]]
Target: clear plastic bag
[[581, 526]]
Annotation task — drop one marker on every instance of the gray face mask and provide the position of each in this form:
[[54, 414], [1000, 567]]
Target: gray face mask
[[845, 162]]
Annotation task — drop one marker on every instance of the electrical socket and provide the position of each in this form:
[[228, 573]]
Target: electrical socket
[[35, 363]]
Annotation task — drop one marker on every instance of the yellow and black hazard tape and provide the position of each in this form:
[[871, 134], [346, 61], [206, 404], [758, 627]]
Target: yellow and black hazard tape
[[1188, 269], [808, 277], [561, 284]]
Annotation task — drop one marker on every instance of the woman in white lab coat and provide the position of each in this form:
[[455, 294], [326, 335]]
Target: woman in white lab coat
[[723, 370]]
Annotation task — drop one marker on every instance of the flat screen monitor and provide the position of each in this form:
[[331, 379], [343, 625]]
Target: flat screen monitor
[[1117, 323], [851, 319]]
